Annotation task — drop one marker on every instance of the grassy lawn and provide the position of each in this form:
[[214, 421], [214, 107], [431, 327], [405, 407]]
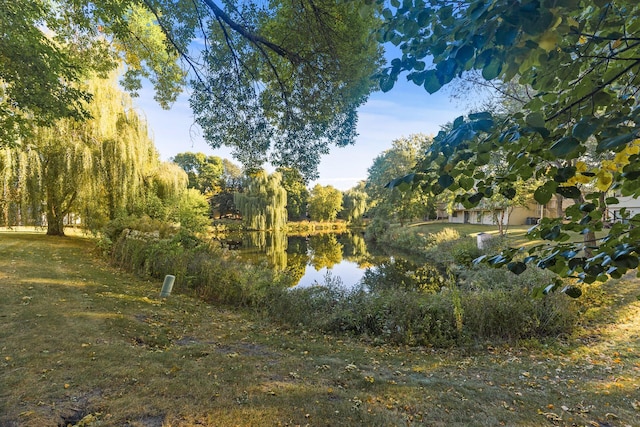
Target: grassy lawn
[[516, 234], [84, 344]]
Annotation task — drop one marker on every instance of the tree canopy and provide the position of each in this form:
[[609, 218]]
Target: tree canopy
[[297, 193], [96, 170], [325, 202], [48, 49], [398, 160], [580, 60], [277, 81], [204, 172]]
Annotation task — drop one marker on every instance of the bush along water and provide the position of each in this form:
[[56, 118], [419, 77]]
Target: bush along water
[[449, 303], [200, 267], [445, 317], [442, 301]]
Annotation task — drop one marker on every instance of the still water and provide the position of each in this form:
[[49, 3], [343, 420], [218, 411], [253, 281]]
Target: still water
[[312, 258]]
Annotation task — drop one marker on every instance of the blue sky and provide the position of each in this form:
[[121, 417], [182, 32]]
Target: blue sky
[[405, 110]]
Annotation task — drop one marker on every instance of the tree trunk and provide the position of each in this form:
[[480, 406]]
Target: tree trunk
[[589, 237], [559, 209], [55, 223]]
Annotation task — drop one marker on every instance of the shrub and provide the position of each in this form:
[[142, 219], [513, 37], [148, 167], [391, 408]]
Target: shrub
[[199, 267], [484, 277], [461, 252], [450, 316], [376, 229], [404, 275], [447, 234], [513, 314]]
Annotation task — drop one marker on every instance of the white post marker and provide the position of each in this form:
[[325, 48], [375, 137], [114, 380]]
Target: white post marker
[[167, 286], [483, 238]]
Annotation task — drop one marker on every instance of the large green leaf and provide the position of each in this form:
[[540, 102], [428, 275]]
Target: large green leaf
[[565, 146], [517, 267], [431, 82], [572, 291], [445, 181], [545, 192], [535, 120], [616, 141], [492, 69], [466, 183], [565, 174], [584, 128], [571, 192], [629, 261]]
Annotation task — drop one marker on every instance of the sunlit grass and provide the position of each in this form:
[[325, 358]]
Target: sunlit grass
[[112, 350]]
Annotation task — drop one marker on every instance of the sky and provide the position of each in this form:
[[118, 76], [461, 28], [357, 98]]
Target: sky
[[405, 110]]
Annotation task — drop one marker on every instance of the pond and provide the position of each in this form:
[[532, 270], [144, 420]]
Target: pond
[[311, 259]]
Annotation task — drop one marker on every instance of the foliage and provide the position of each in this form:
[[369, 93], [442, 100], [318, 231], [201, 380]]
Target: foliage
[[199, 266], [354, 205], [439, 319], [297, 193], [298, 72], [191, 211], [95, 169], [204, 172], [393, 204], [20, 203], [282, 79], [67, 41], [169, 180], [579, 60], [376, 229], [263, 202], [324, 203], [232, 182]]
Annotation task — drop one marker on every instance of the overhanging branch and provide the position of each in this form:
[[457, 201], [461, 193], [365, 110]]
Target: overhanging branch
[[252, 37]]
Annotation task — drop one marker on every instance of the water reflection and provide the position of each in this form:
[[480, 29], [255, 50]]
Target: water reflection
[[308, 259], [324, 251]]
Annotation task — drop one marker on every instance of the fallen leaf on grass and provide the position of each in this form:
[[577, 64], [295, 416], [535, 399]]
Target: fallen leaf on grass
[[550, 416]]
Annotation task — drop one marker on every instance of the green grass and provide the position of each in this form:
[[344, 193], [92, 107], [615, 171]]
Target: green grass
[[516, 235], [82, 343]]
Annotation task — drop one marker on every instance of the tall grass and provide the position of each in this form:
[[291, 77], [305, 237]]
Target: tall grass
[[200, 267], [448, 317], [451, 303]]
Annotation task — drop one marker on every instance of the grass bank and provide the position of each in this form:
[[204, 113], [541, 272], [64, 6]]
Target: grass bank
[[84, 344]]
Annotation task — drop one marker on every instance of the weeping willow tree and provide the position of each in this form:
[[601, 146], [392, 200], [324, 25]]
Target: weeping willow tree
[[98, 169], [354, 205], [19, 180], [66, 165], [124, 156], [263, 204], [163, 187], [169, 180]]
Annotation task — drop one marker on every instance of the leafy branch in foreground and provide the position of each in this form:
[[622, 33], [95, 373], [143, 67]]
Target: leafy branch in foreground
[[577, 135], [278, 82]]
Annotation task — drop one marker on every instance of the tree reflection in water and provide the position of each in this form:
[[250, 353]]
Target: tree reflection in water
[[307, 259], [324, 251]]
